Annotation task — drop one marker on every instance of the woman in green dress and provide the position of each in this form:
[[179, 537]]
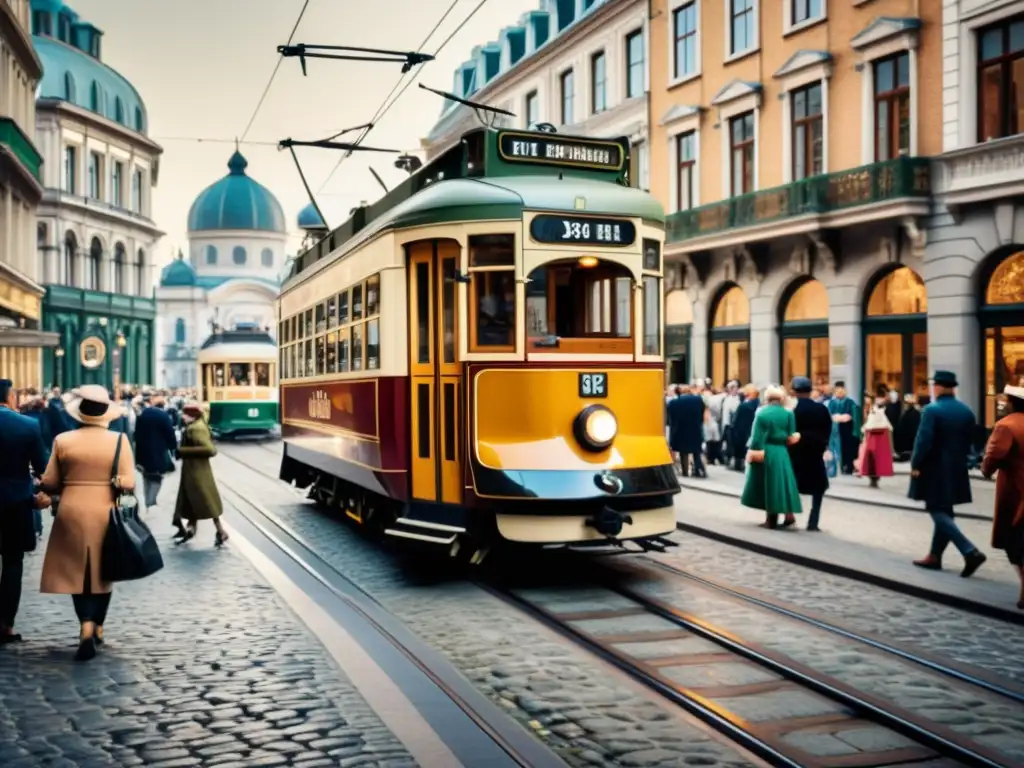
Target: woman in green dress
[[770, 483]]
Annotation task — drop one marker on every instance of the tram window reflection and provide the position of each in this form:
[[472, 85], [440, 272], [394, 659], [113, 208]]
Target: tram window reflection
[[239, 374], [372, 295], [372, 345], [357, 302], [218, 375], [495, 299], [342, 307], [357, 347], [332, 312], [262, 374], [331, 353], [652, 315], [310, 360], [321, 317], [343, 350], [309, 323], [570, 300]]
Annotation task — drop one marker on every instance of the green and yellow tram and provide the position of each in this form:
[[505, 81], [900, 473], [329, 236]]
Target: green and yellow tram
[[238, 381]]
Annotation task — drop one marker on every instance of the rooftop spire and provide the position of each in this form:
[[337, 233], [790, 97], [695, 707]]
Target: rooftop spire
[[237, 164]]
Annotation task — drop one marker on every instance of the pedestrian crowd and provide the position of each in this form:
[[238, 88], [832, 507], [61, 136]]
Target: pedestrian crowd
[[77, 454], [790, 443]]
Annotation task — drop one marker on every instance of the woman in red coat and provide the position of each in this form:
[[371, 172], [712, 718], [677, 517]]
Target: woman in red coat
[[876, 447]]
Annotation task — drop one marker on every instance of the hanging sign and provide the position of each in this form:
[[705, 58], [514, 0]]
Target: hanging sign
[[548, 149]]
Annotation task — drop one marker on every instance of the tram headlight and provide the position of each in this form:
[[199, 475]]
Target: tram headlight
[[595, 427]]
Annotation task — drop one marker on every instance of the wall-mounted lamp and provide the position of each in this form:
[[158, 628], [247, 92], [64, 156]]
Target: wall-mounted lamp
[[121, 340], [58, 352]]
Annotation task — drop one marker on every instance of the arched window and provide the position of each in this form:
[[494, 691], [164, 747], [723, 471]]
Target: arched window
[[179, 331], [678, 327], [803, 331], [238, 255], [119, 110], [896, 333], [267, 257], [1002, 317], [211, 254], [141, 289], [92, 272], [69, 87], [42, 234], [119, 268], [95, 102], [730, 336], [68, 276], [140, 124]]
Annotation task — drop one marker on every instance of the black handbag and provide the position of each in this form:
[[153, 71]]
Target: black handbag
[[129, 549]]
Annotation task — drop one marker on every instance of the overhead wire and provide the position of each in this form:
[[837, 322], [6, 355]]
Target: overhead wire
[[270, 82]]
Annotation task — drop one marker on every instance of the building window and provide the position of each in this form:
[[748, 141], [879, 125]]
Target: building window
[[63, 28], [95, 102], [808, 140], [686, 169], [42, 23], [119, 268], [568, 88], [684, 36], [69, 87], [238, 255], [179, 331], [137, 191], [267, 257], [741, 152], [635, 64], [92, 273], [892, 106], [532, 109], [1001, 80], [211, 255], [598, 83], [116, 182], [140, 273], [70, 167], [140, 124], [119, 110], [742, 26], [70, 251], [95, 169], [805, 10]]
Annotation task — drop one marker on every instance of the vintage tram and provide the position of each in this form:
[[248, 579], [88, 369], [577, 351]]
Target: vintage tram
[[477, 357], [238, 381]]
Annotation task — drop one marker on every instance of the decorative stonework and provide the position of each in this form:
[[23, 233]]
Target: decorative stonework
[[973, 169]]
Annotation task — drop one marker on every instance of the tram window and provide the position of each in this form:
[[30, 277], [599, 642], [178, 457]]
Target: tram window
[[295, 366], [422, 312], [218, 375], [652, 255], [262, 374], [332, 353], [286, 356], [448, 272], [240, 373], [357, 302], [321, 355], [494, 295], [568, 300], [357, 347], [372, 345], [321, 318], [372, 295], [342, 307], [652, 315], [309, 323], [492, 250], [310, 364], [332, 312], [343, 347], [295, 332]]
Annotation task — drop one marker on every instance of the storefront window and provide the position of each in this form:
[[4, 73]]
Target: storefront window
[[804, 333], [1002, 315], [730, 337], [896, 335], [900, 292]]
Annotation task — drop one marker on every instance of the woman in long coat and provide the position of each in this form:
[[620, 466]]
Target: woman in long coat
[[1005, 454], [771, 483], [198, 497], [82, 472], [875, 458]]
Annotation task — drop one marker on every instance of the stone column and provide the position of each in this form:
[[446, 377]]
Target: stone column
[[845, 338], [764, 342]]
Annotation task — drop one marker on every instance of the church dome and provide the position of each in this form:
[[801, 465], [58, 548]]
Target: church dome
[[178, 274], [310, 219], [236, 202]]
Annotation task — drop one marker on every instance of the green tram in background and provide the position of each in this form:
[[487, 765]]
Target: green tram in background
[[238, 382]]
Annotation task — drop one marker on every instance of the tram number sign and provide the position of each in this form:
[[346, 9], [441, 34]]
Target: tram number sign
[[593, 385], [584, 230], [254, 413], [591, 154]]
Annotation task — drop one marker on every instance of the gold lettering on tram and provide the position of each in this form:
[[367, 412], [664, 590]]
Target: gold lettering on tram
[[320, 406]]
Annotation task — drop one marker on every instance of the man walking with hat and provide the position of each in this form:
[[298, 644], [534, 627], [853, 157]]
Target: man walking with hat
[[938, 472], [814, 423]]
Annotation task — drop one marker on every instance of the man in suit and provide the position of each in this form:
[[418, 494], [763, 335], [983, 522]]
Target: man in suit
[[686, 430], [155, 443], [939, 475], [24, 455], [814, 423]]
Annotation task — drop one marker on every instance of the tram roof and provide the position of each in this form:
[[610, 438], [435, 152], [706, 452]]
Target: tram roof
[[238, 353]]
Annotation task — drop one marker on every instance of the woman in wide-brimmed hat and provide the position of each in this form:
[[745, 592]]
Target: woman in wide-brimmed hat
[[198, 497], [82, 472]]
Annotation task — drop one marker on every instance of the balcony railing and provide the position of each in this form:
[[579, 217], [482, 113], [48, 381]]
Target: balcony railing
[[21, 145], [876, 183]]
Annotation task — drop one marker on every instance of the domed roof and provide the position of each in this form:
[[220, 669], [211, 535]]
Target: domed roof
[[236, 202], [178, 274], [310, 219], [71, 74]]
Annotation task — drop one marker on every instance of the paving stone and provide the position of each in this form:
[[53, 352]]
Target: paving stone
[[820, 744], [726, 673], [778, 705]]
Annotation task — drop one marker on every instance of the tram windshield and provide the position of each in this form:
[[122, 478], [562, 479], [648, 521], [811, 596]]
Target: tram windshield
[[240, 374]]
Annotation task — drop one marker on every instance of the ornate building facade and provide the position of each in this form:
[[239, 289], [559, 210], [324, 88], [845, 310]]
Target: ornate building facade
[[237, 238], [580, 65], [95, 234], [22, 343]]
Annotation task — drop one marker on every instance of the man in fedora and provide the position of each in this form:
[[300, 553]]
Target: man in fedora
[[814, 423], [938, 472], [24, 455]]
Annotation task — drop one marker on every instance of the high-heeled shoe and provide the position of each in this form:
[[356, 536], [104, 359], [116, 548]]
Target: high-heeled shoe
[[220, 539], [86, 649], [189, 534]]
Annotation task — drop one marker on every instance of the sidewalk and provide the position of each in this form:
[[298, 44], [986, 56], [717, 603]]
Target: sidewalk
[[204, 665], [858, 535], [891, 493]]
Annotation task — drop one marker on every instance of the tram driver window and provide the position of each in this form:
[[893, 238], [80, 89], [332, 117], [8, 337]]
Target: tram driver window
[[240, 373], [218, 375], [493, 291], [262, 374]]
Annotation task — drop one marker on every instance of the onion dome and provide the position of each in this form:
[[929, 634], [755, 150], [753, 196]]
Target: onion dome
[[236, 202]]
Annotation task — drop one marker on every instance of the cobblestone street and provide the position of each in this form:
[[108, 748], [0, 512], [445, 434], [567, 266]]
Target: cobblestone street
[[204, 666]]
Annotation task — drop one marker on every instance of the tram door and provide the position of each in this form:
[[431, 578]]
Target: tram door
[[435, 373]]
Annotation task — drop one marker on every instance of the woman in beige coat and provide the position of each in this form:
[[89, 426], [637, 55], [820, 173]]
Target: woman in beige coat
[[80, 472]]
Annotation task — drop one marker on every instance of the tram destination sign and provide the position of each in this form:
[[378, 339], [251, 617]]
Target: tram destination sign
[[571, 153], [586, 230]]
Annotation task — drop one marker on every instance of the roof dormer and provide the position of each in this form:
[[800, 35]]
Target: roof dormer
[[513, 46], [538, 29]]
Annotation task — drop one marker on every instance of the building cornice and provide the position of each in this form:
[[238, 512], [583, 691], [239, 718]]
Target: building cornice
[[60, 200], [67, 110], [12, 168], [236, 234], [17, 38]]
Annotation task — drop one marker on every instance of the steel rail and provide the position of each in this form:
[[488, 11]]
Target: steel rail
[[935, 666]]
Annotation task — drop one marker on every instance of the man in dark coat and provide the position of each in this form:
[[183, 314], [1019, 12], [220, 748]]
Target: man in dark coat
[[24, 455], [743, 425], [155, 443], [814, 423], [938, 472], [686, 430]]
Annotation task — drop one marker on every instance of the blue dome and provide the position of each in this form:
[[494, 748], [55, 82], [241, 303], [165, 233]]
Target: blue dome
[[178, 274], [236, 202], [70, 74], [310, 219]]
